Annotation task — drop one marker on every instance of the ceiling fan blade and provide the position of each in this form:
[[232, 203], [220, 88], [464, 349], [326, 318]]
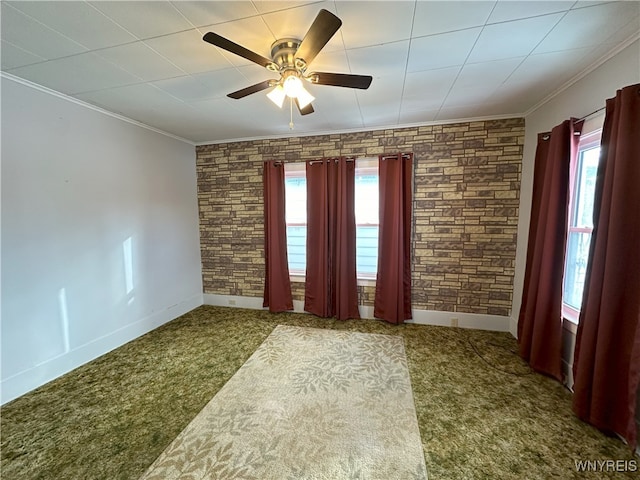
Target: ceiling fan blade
[[229, 46], [252, 89], [306, 110], [322, 29], [341, 80]]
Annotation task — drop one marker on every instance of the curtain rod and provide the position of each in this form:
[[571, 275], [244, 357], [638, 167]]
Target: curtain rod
[[590, 114], [389, 157], [348, 159], [547, 135]]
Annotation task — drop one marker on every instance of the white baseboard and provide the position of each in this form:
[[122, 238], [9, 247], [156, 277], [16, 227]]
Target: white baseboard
[[513, 327], [567, 371], [461, 319], [422, 317], [36, 376]]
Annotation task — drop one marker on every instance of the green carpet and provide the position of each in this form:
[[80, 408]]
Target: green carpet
[[482, 414], [309, 403]]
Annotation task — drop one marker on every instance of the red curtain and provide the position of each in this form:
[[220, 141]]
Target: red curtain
[[606, 363], [392, 300], [277, 286], [331, 283], [540, 318]]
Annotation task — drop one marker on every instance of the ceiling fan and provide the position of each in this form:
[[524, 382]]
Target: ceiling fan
[[290, 58]]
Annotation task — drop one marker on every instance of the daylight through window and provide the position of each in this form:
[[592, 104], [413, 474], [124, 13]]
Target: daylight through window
[[366, 211], [583, 180]]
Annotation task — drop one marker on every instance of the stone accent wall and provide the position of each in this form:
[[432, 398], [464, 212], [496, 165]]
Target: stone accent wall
[[467, 184]]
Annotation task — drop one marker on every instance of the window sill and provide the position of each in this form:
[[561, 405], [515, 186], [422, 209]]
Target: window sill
[[570, 319], [362, 282]]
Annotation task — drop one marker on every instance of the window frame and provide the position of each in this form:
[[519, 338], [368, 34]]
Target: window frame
[[298, 170], [589, 139], [294, 170]]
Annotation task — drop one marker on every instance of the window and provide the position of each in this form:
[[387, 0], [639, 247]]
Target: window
[[295, 187], [583, 180], [366, 210]]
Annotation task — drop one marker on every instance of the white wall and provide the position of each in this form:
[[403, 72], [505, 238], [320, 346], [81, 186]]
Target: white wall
[[100, 240], [583, 97]]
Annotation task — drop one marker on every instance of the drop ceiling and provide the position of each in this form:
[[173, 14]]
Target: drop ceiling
[[430, 61]]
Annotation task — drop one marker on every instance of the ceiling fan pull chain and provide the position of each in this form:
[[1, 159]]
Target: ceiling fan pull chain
[[291, 113]]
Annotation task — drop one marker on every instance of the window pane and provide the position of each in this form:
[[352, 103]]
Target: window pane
[[367, 250], [295, 185], [366, 201], [296, 199], [297, 248], [585, 187], [577, 255], [366, 210]]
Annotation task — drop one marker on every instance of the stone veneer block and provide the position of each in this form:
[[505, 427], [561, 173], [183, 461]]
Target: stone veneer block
[[466, 200]]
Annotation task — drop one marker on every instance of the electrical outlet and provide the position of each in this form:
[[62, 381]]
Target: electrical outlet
[[454, 322]]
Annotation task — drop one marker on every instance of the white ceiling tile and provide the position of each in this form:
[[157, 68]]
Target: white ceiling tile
[[439, 17], [142, 61], [76, 74], [512, 39], [222, 82], [189, 52], [373, 23], [335, 61], [379, 60], [624, 33], [266, 6], [588, 3], [427, 90], [185, 88], [253, 73], [589, 26], [13, 56], [179, 121], [257, 110], [473, 95], [211, 128], [205, 85], [145, 19], [381, 117], [459, 113], [25, 32], [138, 102], [335, 99], [78, 21], [386, 90], [550, 67], [478, 81], [417, 116], [206, 13], [515, 98], [489, 73], [507, 10], [338, 106], [427, 53]]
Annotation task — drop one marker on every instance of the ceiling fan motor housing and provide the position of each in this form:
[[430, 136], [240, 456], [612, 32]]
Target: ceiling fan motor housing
[[283, 53]]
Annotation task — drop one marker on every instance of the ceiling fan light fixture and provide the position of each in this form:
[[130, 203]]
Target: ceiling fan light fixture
[[292, 86], [277, 95], [304, 97]]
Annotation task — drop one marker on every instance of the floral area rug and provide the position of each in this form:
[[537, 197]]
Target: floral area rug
[[308, 404]]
